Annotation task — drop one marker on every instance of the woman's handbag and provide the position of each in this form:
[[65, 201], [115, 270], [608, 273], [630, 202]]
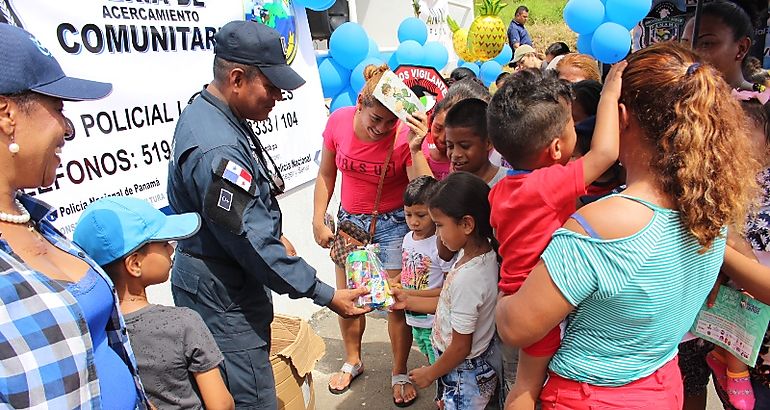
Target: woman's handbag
[[350, 236]]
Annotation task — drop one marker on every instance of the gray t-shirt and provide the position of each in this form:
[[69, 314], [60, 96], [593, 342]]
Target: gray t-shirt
[[170, 344], [501, 172]]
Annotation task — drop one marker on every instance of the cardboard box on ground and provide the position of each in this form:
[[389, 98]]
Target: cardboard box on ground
[[295, 349]]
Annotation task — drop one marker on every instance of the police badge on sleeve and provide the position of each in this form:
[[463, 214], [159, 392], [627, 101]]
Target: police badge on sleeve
[[231, 189]]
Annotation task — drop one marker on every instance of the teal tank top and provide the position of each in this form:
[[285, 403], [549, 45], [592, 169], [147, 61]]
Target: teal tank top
[[634, 297]]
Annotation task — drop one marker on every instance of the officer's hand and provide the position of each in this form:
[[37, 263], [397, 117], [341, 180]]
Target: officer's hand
[[323, 235], [289, 246], [343, 302]]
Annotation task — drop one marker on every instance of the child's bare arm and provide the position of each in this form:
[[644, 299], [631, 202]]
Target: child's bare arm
[[213, 390], [605, 142], [456, 352], [426, 293], [419, 304], [748, 274]]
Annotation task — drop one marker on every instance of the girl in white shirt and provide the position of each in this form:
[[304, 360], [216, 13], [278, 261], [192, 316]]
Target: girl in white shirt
[[464, 324]]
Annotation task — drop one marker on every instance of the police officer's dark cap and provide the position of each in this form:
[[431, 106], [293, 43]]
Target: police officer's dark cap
[[255, 44], [26, 65]]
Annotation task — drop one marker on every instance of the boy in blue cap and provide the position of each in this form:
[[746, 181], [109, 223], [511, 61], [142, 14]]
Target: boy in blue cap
[[177, 357]]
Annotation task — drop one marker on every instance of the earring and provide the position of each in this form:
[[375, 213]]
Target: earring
[[13, 146]]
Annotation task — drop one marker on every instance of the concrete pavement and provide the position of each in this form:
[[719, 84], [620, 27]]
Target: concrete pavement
[[372, 389]]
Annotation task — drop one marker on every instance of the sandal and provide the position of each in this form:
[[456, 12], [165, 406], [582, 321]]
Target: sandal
[[401, 380], [353, 371], [739, 390]]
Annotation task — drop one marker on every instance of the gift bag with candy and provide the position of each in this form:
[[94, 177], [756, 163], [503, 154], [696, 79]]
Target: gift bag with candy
[[363, 268]]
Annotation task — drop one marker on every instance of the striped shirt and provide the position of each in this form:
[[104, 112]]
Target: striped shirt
[[635, 297], [46, 351]]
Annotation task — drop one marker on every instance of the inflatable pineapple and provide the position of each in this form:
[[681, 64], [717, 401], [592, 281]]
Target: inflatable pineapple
[[487, 36], [460, 40]]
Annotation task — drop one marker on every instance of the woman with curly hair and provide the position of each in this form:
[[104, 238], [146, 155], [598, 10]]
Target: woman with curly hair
[[640, 264]]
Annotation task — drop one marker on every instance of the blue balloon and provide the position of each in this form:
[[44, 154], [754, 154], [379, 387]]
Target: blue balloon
[[435, 55], [473, 67], [357, 79], [489, 72], [409, 52], [505, 56], [627, 13], [393, 61], [413, 28], [349, 45], [584, 44], [583, 16], [374, 50], [460, 62], [318, 5], [611, 43], [334, 77], [346, 98]]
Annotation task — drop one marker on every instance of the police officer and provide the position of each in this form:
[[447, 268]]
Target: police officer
[[220, 170]]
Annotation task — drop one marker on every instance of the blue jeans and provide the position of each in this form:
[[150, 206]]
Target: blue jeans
[[389, 233], [470, 385]]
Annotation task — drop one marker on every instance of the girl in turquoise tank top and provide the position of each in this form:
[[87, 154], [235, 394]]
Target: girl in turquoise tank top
[[630, 272]]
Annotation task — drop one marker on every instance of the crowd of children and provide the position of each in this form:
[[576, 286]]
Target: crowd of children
[[558, 254], [563, 143]]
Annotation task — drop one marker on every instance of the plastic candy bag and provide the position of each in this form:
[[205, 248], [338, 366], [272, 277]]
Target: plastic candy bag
[[363, 268]]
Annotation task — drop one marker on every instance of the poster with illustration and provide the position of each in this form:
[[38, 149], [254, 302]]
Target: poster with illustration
[[737, 322], [397, 96]]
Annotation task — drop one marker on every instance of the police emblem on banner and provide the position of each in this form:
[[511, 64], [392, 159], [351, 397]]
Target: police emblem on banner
[[279, 15], [664, 23]]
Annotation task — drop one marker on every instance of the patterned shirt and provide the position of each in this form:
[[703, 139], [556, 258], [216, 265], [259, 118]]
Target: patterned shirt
[[758, 227], [46, 351]]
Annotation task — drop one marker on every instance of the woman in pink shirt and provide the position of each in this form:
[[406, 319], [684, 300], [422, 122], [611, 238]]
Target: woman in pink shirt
[[356, 143]]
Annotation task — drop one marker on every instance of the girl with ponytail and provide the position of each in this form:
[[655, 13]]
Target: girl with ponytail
[[632, 270]]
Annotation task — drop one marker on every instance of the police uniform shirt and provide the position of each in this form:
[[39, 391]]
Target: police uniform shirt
[[226, 271]]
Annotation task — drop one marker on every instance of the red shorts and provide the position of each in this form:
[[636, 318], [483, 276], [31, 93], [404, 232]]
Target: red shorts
[[547, 346], [661, 390]]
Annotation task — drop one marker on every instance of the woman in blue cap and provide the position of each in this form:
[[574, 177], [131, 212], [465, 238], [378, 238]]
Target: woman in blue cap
[[63, 342]]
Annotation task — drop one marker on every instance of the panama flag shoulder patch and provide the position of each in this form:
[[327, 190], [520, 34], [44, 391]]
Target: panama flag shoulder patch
[[237, 175]]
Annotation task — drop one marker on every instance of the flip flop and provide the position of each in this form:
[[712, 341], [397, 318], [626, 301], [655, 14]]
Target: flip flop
[[401, 380], [353, 371]]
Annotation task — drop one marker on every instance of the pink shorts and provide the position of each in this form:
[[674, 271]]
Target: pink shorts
[[661, 390]]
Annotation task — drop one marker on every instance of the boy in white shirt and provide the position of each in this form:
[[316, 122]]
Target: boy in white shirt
[[424, 263], [423, 268]]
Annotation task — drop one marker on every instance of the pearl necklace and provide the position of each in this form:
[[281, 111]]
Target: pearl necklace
[[16, 219]]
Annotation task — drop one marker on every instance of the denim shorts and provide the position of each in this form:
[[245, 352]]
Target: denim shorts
[[470, 385], [389, 234]]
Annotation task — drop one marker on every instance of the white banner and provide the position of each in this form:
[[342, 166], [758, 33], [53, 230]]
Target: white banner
[[434, 13], [157, 54]]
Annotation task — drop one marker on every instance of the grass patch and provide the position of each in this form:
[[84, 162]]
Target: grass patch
[[546, 24], [540, 11]]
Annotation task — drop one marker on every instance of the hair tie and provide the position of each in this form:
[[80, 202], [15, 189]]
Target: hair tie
[[691, 69]]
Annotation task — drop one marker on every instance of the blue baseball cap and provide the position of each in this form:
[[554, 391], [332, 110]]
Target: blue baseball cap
[[111, 228], [26, 65]]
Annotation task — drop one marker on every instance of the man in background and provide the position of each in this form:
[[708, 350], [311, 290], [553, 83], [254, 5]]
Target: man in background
[[517, 33]]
